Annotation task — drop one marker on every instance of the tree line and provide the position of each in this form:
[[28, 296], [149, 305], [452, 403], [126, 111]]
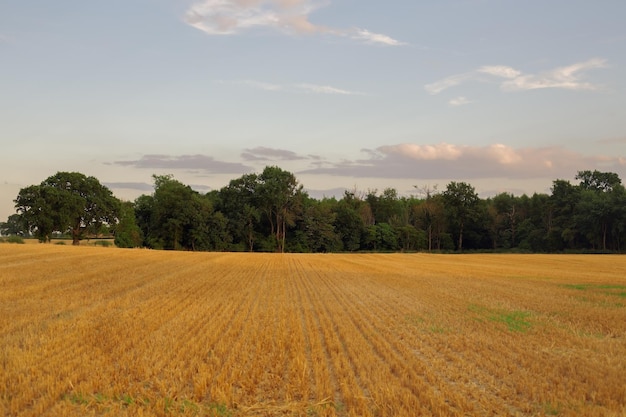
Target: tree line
[[271, 212]]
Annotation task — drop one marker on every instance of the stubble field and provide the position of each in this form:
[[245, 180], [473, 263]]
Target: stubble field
[[102, 331]]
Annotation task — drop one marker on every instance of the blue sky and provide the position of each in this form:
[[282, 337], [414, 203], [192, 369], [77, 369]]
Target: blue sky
[[506, 95]]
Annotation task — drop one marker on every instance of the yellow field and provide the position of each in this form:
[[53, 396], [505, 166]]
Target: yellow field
[[103, 331]]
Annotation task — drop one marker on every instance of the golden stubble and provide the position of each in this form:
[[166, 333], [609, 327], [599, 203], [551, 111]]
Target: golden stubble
[[103, 331]]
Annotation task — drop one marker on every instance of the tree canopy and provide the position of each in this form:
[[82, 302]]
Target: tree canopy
[[270, 211], [67, 202]]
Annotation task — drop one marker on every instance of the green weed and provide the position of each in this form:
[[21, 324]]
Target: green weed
[[515, 321]]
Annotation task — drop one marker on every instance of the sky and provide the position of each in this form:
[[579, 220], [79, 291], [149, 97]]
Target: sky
[[505, 95]]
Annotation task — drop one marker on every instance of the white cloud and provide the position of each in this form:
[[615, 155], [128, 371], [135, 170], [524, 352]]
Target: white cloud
[[500, 71], [366, 35], [295, 88], [441, 85], [459, 101], [569, 77], [228, 17], [324, 89], [565, 77], [261, 85], [263, 153], [443, 160], [441, 151]]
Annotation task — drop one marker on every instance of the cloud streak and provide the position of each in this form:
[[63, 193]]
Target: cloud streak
[[262, 153], [459, 101], [230, 17], [302, 88], [203, 163], [511, 79]]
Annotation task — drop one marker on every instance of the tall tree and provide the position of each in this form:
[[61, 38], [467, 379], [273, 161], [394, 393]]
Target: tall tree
[[598, 209], [505, 214], [317, 226], [349, 224], [462, 204], [279, 199], [598, 181], [429, 215], [177, 217], [67, 202], [239, 200], [564, 231], [127, 232]]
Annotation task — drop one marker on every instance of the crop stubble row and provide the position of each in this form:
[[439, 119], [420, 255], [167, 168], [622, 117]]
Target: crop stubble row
[[91, 331]]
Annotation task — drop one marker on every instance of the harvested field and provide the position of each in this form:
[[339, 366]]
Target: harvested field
[[103, 331]]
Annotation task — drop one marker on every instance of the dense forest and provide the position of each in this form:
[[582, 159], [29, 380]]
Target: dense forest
[[271, 212]]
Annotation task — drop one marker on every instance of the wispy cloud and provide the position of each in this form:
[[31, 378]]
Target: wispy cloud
[[260, 85], [262, 153], [569, 77], [203, 163], [139, 186], [376, 38], [459, 101], [448, 82], [295, 88], [228, 17], [445, 160], [324, 89]]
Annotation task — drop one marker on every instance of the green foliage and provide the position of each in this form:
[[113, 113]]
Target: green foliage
[[15, 239], [14, 226], [462, 207], [271, 212], [127, 232], [178, 218], [67, 202]]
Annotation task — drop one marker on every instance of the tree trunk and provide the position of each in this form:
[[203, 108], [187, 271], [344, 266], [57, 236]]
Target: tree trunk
[[76, 236]]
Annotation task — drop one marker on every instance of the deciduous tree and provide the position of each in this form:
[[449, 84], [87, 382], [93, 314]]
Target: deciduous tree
[[67, 202]]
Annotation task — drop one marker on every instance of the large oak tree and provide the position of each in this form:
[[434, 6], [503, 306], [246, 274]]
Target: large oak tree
[[67, 202]]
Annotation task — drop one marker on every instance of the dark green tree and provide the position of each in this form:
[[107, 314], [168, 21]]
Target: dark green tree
[[505, 214], [429, 215], [599, 208], [318, 226], [127, 232], [67, 202], [14, 226], [462, 205], [239, 202], [279, 199], [179, 218], [349, 224], [598, 181], [563, 230]]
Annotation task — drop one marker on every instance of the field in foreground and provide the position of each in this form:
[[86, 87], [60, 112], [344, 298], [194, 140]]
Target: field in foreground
[[96, 331]]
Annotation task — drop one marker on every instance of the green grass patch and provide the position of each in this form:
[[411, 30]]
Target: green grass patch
[[514, 320], [615, 290]]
